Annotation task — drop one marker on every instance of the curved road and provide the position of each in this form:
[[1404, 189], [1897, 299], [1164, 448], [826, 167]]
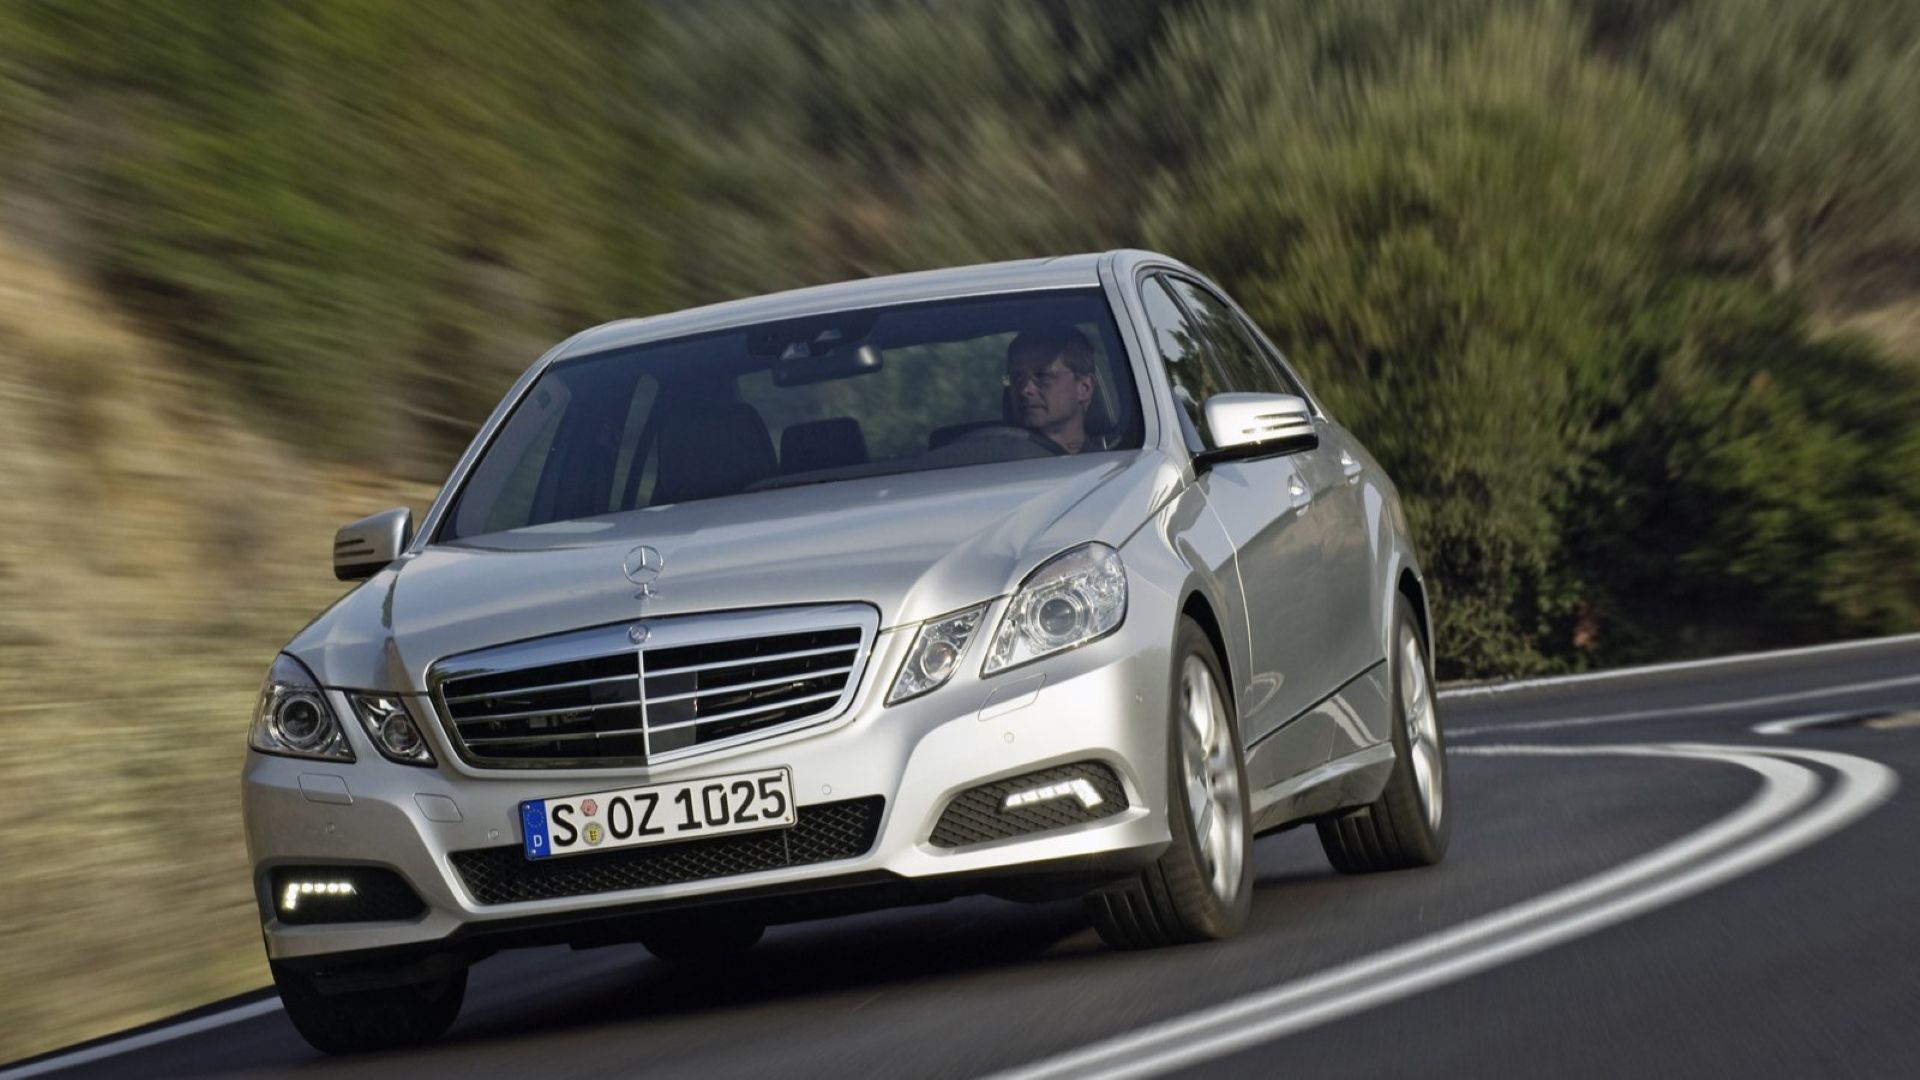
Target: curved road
[[1640, 882]]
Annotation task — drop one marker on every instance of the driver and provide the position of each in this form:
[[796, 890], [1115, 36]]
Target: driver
[[1050, 384]]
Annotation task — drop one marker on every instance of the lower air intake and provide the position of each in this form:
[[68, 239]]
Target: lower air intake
[[1049, 799], [823, 832]]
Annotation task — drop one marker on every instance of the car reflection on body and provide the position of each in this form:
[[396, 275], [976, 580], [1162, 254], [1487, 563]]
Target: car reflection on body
[[1036, 579]]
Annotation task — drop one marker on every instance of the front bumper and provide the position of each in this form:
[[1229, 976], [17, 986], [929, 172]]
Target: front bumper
[[1104, 702]]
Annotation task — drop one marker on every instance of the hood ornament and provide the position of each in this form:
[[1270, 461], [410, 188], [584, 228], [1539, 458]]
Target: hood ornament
[[642, 567]]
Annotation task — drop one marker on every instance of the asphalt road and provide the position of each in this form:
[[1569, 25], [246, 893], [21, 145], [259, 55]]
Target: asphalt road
[[1639, 884]]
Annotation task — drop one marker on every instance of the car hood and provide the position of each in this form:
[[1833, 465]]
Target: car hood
[[913, 545]]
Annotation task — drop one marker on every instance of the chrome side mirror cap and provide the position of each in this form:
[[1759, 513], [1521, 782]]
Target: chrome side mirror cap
[[1258, 425], [367, 546]]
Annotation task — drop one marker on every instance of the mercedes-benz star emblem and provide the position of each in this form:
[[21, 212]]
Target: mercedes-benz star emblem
[[638, 634], [643, 564]]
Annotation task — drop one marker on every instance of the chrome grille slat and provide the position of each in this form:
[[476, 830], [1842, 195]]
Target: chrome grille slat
[[737, 713], [484, 718], [697, 683], [572, 736], [771, 658], [762, 684], [608, 679]]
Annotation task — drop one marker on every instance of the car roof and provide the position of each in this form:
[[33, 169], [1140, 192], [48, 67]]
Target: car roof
[[1059, 272]]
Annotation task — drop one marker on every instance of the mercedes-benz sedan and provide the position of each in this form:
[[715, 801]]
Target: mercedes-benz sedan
[[1038, 579]]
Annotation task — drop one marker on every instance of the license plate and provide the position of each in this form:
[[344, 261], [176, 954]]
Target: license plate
[[657, 813]]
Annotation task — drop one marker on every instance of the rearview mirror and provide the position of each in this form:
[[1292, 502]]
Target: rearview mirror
[[367, 546], [803, 364], [1258, 425]]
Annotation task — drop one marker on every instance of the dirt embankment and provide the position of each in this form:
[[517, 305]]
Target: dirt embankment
[[154, 552]]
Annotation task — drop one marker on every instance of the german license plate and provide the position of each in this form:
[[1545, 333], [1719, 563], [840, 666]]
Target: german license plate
[[657, 813]]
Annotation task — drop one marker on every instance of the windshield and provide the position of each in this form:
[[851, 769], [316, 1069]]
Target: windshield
[[812, 400]]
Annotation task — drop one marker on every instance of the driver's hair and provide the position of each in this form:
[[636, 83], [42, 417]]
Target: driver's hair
[[1068, 344]]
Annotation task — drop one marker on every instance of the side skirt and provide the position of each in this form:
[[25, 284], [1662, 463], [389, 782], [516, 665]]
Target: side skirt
[[1354, 780]]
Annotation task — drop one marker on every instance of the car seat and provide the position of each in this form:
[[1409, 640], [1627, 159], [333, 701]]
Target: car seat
[[822, 444], [706, 453]]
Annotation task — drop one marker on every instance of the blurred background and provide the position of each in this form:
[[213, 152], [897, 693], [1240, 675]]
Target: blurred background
[[1624, 293]]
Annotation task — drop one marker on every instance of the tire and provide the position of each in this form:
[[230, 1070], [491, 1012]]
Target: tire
[[702, 940], [362, 1020], [1201, 888], [1408, 824]]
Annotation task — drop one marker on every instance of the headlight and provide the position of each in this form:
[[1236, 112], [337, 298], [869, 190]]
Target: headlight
[[392, 730], [936, 653], [293, 717], [1073, 598]]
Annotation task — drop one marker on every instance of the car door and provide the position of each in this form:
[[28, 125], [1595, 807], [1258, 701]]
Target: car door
[[1330, 471], [1263, 504], [1350, 504]]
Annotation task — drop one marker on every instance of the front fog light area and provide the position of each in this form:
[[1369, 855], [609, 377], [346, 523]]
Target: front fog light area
[[293, 718], [1073, 598], [290, 899], [1035, 802], [303, 895], [936, 653], [1076, 788], [392, 730]]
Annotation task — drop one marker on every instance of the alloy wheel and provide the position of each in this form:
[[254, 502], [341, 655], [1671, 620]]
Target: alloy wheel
[[1216, 806], [1423, 729]]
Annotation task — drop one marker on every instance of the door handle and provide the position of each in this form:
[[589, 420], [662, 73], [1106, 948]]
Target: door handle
[[1352, 468], [1301, 493]]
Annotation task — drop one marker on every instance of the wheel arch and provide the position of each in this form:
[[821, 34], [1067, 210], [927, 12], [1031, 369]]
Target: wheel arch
[[1198, 608], [1414, 591]]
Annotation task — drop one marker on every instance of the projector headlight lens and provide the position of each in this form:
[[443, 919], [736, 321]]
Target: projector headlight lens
[[936, 653], [1075, 597], [293, 717], [390, 727]]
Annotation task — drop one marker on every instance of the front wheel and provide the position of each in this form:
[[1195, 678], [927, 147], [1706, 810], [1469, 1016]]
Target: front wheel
[[1201, 889], [1408, 824], [379, 1019]]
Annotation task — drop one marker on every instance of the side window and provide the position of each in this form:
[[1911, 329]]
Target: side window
[[1246, 365], [1189, 367], [1272, 352]]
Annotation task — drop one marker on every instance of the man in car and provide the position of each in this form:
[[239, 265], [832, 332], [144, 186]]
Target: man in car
[[1050, 385]]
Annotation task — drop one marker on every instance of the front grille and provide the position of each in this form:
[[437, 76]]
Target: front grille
[[592, 698], [824, 832], [980, 814], [377, 895]]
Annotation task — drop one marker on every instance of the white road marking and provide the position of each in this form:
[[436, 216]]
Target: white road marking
[[1796, 723], [143, 1040], [1497, 688], [1774, 823], [1690, 710]]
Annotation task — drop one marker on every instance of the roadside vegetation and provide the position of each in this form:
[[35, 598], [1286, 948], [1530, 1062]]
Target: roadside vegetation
[[1625, 294]]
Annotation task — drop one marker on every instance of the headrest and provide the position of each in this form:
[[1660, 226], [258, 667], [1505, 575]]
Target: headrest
[[822, 444], [1099, 417], [705, 453]]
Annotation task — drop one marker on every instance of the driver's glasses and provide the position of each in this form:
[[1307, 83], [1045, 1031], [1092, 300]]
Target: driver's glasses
[[1045, 380]]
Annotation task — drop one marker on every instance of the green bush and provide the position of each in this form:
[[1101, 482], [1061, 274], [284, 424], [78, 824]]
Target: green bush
[[1453, 264], [350, 208]]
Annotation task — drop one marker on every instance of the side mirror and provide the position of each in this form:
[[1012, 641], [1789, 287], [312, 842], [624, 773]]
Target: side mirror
[[364, 548], [1258, 425]]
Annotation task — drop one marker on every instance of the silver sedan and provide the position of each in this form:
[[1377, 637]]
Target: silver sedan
[[1037, 579]]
